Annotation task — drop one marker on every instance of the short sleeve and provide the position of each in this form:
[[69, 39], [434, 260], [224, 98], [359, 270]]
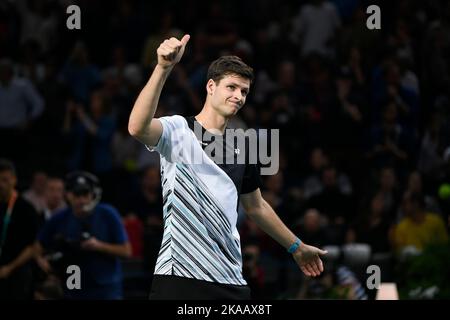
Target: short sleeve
[[170, 143], [251, 180]]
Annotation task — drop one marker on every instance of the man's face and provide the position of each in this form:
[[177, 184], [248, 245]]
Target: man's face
[[78, 202], [7, 183], [54, 193], [228, 95]]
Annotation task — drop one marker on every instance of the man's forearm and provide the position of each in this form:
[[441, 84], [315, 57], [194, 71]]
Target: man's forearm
[[145, 106], [266, 218], [119, 250], [26, 255]]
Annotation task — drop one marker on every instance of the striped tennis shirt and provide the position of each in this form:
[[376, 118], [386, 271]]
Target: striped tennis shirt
[[200, 202]]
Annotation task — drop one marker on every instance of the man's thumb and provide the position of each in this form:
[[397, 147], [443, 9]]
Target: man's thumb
[[322, 252], [185, 39]]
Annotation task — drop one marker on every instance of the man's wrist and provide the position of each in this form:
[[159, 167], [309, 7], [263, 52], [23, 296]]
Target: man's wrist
[[164, 69], [294, 246], [102, 246]]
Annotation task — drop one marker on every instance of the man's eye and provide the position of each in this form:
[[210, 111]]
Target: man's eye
[[231, 87]]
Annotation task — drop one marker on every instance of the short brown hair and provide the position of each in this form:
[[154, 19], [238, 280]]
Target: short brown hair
[[227, 65]]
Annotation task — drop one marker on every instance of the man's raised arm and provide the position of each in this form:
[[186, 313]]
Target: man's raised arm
[[141, 124]]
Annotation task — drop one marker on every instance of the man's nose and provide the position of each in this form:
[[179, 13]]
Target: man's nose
[[238, 96]]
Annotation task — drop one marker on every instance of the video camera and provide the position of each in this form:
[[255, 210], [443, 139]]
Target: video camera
[[66, 252]]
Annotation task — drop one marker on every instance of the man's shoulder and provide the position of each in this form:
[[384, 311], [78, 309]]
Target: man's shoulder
[[404, 224], [178, 119], [20, 83], [24, 204], [60, 215], [106, 209], [24, 211], [175, 123], [434, 218]]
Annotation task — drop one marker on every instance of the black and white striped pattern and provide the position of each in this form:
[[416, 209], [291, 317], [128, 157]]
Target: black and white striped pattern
[[200, 238]]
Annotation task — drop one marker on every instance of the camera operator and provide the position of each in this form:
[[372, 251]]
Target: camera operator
[[88, 234]]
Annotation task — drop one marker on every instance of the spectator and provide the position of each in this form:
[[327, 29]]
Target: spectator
[[415, 185], [338, 282], [312, 184], [18, 225], [331, 200], [390, 143], [91, 135], [388, 188], [430, 160], [372, 226], [317, 23], [79, 74], [418, 228], [314, 228], [252, 270], [90, 235], [36, 193], [20, 105], [54, 197], [147, 205]]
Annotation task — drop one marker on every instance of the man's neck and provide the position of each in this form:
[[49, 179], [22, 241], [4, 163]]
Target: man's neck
[[211, 120]]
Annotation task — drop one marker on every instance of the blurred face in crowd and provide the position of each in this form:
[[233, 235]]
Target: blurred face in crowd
[[415, 182], [78, 202], [311, 220], [8, 182], [318, 160], [228, 95], [286, 74], [274, 182], [54, 193], [412, 208], [377, 205], [387, 180], [97, 104], [39, 182], [151, 179]]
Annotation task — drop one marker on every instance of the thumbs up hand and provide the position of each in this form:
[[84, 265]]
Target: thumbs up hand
[[171, 50]]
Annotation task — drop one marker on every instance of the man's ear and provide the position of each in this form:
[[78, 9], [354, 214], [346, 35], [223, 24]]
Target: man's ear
[[210, 86]]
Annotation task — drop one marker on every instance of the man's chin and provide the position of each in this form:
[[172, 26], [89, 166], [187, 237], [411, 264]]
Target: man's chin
[[234, 110], [229, 113]]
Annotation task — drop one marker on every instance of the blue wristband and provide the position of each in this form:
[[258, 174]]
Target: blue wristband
[[294, 246]]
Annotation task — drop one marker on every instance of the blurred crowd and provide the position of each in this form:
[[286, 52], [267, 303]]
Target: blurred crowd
[[364, 120]]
